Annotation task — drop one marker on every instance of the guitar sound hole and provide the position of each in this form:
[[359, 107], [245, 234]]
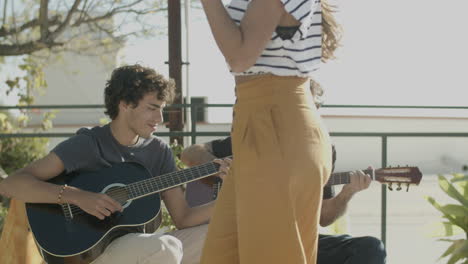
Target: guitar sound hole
[[118, 192]]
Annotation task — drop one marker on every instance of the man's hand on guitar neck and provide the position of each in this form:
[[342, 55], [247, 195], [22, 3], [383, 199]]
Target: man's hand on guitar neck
[[198, 154], [359, 181], [224, 168], [336, 206]]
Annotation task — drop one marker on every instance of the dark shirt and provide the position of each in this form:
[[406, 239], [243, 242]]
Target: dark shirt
[[96, 148]]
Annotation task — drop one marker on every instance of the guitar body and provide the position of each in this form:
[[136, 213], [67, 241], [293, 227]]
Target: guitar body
[[65, 234]]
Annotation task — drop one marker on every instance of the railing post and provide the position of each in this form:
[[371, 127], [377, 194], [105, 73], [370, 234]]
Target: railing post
[[193, 113], [176, 117], [384, 195]]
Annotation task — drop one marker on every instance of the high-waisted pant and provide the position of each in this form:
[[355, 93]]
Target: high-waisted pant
[[269, 207]]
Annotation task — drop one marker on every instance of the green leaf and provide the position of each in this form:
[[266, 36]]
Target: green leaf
[[22, 120], [3, 117], [46, 124], [459, 178], [462, 182], [446, 240], [451, 191], [460, 251], [12, 83], [455, 209], [104, 121], [434, 203], [442, 229], [459, 221], [450, 249]]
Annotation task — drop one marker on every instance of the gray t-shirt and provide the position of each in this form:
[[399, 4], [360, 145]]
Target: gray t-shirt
[[96, 148]]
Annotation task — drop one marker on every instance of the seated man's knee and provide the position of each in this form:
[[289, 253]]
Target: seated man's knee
[[166, 249], [373, 248], [144, 249], [173, 248]]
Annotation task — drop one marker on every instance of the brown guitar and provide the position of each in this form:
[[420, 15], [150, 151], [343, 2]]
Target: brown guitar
[[393, 176], [400, 176]]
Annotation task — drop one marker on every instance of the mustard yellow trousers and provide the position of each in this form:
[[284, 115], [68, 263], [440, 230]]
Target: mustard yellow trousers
[[269, 207]]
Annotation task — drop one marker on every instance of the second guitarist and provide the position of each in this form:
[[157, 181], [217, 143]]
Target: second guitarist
[[134, 99]]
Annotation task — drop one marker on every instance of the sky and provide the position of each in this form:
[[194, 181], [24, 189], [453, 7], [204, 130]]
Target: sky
[[394, 53], [400, 52]]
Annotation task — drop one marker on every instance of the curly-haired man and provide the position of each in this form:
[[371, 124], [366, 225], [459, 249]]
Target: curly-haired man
[[134, 99]]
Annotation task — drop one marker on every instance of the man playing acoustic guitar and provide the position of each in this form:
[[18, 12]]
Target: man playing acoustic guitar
[[134, 99]]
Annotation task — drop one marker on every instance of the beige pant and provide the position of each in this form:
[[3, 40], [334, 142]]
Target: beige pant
[[180, 246], [268, 209]]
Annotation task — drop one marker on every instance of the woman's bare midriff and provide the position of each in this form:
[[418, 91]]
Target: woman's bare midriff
[[245, 78]]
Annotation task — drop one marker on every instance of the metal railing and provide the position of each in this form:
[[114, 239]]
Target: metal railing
[[194, 133]]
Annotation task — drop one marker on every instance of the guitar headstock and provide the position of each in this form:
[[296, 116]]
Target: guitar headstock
[[405, 176]]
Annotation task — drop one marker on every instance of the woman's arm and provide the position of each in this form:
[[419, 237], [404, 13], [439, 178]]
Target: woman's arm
[[242, 45]]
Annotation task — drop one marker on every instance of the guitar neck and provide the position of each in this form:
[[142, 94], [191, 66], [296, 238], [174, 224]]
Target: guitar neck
[[166, 181], [337, 178]]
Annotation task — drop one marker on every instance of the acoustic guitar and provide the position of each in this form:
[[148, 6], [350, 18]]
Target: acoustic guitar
[[66, 234]]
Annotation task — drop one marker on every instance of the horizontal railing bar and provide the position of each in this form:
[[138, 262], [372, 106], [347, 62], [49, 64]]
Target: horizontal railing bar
[[396, 106], [161, 134], [398, 134], [85, 106], [220, 133]]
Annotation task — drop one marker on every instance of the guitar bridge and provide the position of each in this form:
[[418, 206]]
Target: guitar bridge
[[67, 211]]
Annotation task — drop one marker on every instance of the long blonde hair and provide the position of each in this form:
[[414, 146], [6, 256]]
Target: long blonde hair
[[331, 31]]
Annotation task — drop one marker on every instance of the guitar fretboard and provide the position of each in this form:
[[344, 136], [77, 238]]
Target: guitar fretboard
[[344, 177], [159, 183]]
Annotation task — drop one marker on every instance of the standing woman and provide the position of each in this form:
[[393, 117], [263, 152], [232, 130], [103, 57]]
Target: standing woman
[[268, 210]]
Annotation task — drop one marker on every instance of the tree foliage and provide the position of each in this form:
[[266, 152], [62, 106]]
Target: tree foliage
[[29, 26], [17, 152]]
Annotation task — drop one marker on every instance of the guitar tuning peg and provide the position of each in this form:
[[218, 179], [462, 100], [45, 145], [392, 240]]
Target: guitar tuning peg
[[390, 187], [399, 186], [407, 187]]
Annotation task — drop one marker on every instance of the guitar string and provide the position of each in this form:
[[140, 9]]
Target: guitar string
[[121, 194]]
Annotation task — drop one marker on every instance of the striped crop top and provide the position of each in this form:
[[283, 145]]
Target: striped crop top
[[297, 56]]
